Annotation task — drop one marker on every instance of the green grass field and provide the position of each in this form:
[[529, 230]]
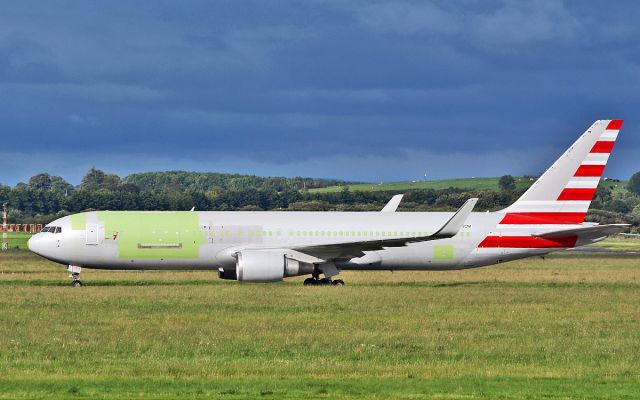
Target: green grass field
[[463, 183], [567, 327], [619, 243], [17, 240]]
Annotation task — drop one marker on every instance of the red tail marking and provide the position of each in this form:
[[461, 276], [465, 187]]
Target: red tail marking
[[577, 194], [615, 124], [602, 147], [527, 242], [590, 171], [543, 218]]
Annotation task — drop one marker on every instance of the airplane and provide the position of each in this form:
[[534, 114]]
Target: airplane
[[268, 246]]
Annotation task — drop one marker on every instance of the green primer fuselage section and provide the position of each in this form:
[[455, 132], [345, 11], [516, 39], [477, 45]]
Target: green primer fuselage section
[[79, 221], [154, 234]]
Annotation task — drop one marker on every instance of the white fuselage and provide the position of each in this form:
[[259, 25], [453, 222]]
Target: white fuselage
[[222, 234]]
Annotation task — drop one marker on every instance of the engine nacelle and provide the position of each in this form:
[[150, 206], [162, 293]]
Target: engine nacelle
[[260, 266], [268, 266], [228, 274]]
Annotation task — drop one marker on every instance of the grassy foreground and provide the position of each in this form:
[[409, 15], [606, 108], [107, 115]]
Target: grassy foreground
[[567, 327]]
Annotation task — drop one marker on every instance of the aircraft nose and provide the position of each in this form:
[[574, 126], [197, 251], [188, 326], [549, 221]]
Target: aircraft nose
[[35, 243]]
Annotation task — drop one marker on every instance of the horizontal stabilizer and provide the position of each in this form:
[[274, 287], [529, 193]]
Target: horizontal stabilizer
[[592, 232]]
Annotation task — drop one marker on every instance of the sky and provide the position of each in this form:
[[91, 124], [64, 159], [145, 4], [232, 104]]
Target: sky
[[356, 90]]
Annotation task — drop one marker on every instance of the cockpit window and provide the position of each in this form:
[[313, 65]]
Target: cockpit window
[[58, 229], [52, 229]]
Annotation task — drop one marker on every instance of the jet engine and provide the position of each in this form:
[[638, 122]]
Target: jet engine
[[268, 266]]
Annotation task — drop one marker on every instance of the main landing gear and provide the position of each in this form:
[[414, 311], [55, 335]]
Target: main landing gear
[[328, 273], [323, 281], [75, 275]]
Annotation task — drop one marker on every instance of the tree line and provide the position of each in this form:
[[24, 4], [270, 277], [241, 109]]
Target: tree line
[[47, 197]]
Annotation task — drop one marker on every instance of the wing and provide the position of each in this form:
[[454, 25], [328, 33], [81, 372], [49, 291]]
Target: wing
[[393, 204], [357, 249]]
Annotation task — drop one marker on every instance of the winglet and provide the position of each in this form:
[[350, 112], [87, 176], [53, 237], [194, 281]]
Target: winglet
[[393, 204], [454, 224]]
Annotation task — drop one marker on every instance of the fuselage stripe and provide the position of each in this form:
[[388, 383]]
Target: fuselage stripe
[[590, 171], [583, 183], [577, 194], [543, 218], [602, 147], [527, 242], [615, 124]]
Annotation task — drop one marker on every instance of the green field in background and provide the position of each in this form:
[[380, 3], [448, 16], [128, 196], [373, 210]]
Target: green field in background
[[619, 243], [17, 240], [463, 183], [567, 327]]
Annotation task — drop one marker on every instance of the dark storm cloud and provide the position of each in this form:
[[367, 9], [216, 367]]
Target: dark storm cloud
[[354, 90]]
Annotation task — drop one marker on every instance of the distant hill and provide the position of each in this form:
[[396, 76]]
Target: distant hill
[[461, 183], [212, 181]]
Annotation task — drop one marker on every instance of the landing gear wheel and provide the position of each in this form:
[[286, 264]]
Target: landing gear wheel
[[75, 275], [330, 272]]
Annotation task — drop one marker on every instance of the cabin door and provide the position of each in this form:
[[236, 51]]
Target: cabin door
[[94, 233]]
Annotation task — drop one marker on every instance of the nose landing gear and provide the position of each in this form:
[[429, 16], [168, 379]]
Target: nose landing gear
[[75, 275]]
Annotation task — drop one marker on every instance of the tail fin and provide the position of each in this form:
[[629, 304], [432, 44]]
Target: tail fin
[[562, 195]]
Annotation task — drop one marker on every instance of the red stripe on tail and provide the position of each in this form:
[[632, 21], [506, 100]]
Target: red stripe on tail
[[543, 218], [577, 194], [615, 124], [594, 171], [602, 147], [528, 242]]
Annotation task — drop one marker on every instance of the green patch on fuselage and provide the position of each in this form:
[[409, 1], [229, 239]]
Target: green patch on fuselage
[[443, 252], [78, 222], [154, 234]]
